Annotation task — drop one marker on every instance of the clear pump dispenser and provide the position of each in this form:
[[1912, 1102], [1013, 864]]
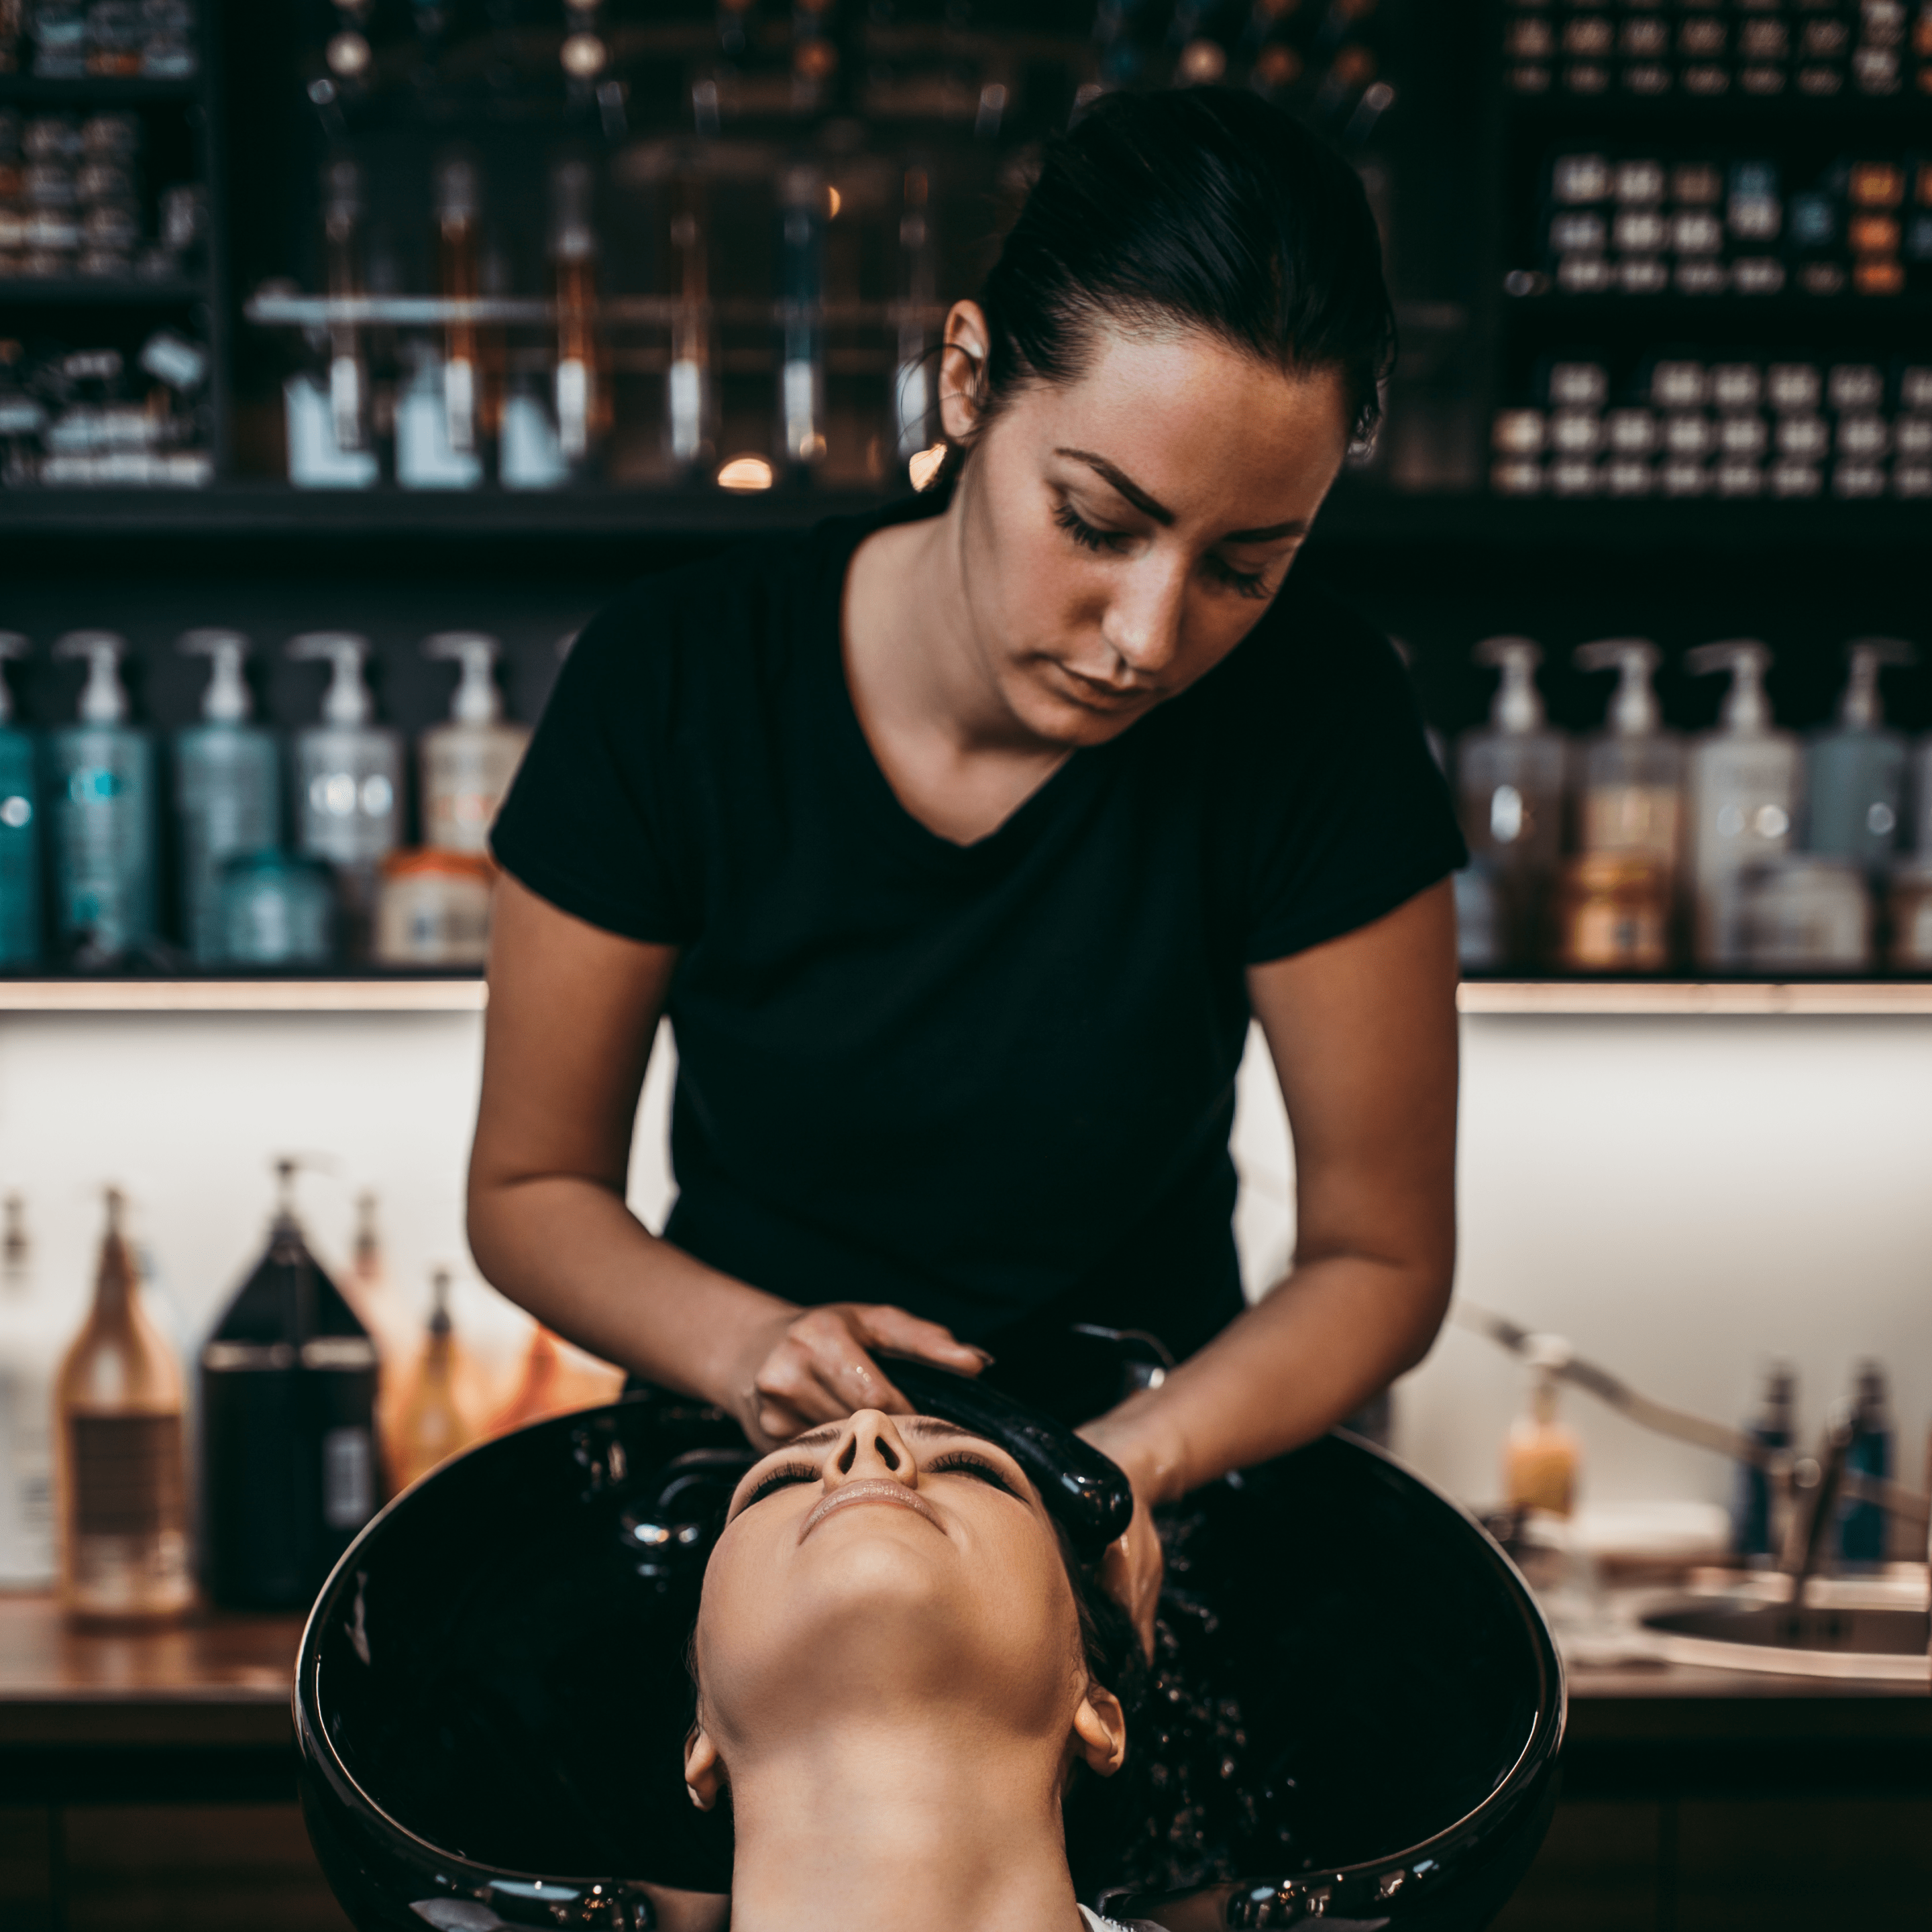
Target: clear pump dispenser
[[1631, 797], [1744, 780], [19, 827], [348, 777], [100, 790], [468, 763], [1510, 782], [228, 783], [1855, 771]]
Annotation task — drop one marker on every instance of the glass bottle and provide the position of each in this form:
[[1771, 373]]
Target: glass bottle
[[1855, 770], [121, 1478], [1861, 1525], [582, 394], [439, 1418], [26, 1423], [1776, 1427]]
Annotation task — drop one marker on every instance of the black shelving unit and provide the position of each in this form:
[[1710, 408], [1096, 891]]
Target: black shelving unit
[[26, 300]]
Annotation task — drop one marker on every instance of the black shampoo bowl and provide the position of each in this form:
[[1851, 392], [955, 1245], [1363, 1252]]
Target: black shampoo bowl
[[491, 1698]]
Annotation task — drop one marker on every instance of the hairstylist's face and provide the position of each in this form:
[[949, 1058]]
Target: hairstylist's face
[[1124, 532], [889, 1567]]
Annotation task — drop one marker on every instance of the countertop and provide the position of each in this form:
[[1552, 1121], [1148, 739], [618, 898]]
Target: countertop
[[220, 1683]]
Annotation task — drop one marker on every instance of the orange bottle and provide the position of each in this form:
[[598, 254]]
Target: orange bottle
[[121, 1473], [552, 1383], [439, 1418], [1540, 1460]]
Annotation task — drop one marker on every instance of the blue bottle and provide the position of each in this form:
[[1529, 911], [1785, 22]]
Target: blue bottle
[[1750, 1506], [99, 794], [1855, 772], [19, 829], [1861, 1524], [228, 780]]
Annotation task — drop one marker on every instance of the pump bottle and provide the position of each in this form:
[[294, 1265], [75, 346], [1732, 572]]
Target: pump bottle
[[1510, 782], [20, 828], [348, 778], [1743, 791], [227, 789], [122, 1482], [1541, 1456], [1855, 772], [100, 788], [1631, 798], [26, 1419], [468, 763], [288, 1408]]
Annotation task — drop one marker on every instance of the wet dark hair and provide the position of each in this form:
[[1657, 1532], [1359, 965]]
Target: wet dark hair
[[1200, 207]]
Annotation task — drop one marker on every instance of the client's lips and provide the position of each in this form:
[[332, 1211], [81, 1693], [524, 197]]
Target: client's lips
[[874, 1490]]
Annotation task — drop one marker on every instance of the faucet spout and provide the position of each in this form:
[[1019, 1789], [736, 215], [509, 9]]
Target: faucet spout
[[1814, 1505]]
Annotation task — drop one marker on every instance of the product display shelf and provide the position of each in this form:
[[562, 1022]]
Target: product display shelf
[[1360, 517], [467, 993], [167, 292], [1657, 998], [22, 90], [450, 993]]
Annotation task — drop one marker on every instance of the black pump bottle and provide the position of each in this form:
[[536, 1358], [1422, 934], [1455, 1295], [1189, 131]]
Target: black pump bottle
[[288, 1449]]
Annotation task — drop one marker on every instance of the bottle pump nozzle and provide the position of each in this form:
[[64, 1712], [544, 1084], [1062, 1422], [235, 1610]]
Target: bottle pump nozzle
[[226, 701], [347, 701], [1518, 708], [477, 701], [12, 645], [1634, 712], [103, 700], [1747, 711], [1863, 709]]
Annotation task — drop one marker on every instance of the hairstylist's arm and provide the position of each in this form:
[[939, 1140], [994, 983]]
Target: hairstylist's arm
[[1362, 1031], [573, 1013]]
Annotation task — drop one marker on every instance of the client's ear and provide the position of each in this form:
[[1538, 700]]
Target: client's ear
[[703, 1771], [1100, 1732]]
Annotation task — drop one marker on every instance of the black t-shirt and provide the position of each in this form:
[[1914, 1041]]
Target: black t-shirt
[[992, 1083]]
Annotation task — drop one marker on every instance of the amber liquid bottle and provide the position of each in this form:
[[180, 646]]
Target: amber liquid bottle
[[122, 1485], [439, 1417]]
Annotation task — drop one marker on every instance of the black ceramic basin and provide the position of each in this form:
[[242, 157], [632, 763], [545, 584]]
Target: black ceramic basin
[[490, 1697]]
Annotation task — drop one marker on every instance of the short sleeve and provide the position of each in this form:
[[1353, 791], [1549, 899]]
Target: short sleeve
[[1347, 813], [590, 823]]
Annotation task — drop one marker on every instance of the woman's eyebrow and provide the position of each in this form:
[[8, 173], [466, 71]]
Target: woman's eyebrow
[[924, 1427], [1295, 527]]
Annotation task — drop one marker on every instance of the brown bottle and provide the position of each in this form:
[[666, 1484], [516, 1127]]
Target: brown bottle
[[122, 1484], [438, 1419], [368, 1289], [551, 1382]]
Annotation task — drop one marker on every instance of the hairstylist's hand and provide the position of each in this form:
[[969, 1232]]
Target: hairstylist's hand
[[1132, 1570], [814, 1365]]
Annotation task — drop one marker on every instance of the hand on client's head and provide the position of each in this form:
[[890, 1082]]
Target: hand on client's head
[[896, 1679]]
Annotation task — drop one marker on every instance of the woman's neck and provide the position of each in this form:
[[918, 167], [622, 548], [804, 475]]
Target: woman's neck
[[867, 1829], [937, 725]]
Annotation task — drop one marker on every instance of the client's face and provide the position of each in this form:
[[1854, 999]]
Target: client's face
[[885, 1568]]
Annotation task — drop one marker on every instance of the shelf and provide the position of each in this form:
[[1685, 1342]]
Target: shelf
[[470, 994], [76, 291], [373, 995], [1729, 998], [100, 90], [527, 526]]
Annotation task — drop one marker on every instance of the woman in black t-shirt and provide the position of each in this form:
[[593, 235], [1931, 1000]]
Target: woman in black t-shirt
[[960, 844]]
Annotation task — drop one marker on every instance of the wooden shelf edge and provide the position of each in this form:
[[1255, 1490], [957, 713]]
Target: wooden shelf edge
[[1802, 998], [231, 996]]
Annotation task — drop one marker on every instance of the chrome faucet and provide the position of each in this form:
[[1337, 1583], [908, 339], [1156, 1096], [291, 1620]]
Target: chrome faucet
[[1816, 1484]]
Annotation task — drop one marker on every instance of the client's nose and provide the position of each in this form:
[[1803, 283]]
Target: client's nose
[[869, 1448]]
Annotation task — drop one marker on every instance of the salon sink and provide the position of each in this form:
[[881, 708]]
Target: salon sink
[[1876, 1627]]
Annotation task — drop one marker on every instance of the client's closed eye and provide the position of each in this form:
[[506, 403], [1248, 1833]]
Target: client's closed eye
[[972, 1466], [780, 1478]]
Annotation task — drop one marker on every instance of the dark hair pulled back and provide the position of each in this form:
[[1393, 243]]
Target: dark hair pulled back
[[1204, 208]]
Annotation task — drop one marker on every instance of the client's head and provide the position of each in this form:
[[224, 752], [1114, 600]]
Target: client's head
[[892, 1623]]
